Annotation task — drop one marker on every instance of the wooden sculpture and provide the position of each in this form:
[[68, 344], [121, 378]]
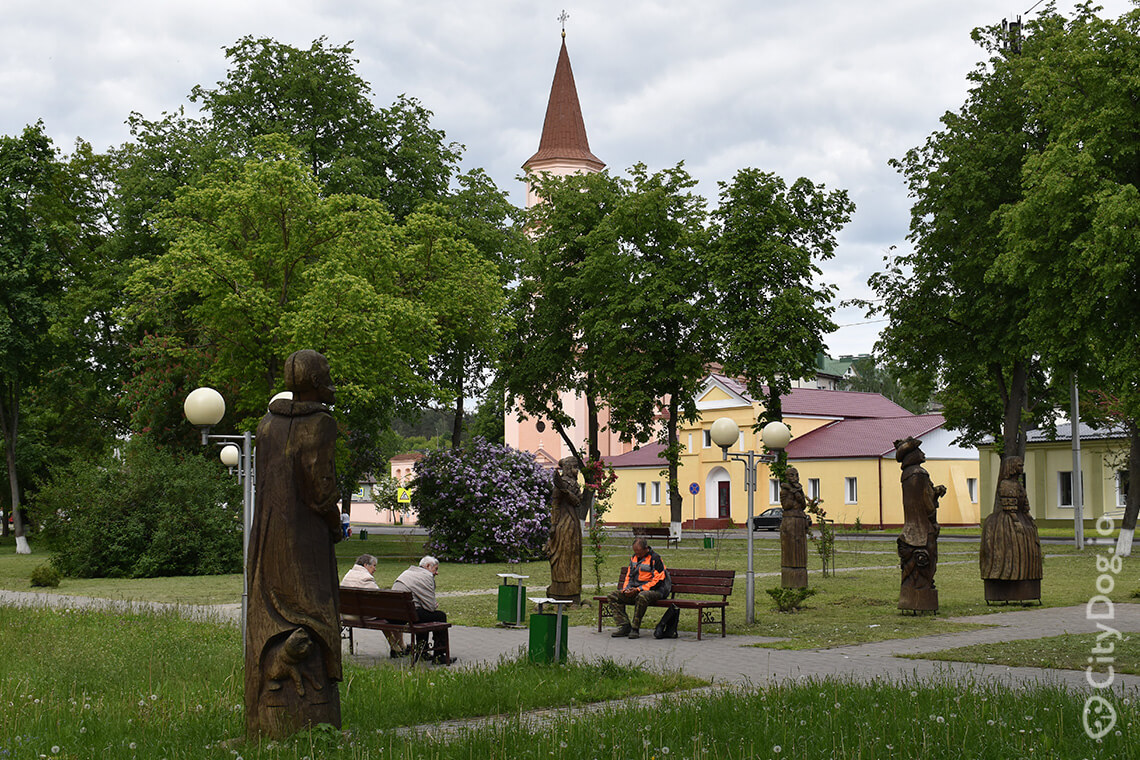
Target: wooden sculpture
[[292, 646], [918, 544], [564, 547], [793, 531], [1010, 556]]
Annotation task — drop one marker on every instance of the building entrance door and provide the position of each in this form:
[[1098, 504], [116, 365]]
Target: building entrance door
[[722, 499]]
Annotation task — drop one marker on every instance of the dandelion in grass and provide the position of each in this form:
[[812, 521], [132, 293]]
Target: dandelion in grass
[[132, 745], [777, 749], [55, 749]]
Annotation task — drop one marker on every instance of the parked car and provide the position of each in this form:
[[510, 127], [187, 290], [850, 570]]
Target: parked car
[[769, 519]]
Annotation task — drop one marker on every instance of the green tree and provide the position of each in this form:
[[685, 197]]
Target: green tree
[[953, 329], [871, 376], [559, 291], [316, 98], [267, 265], [1072, 239], [650, 325], [769, 307], [35, 232]]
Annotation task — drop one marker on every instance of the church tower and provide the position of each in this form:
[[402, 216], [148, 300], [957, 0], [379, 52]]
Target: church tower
[[563, 148]]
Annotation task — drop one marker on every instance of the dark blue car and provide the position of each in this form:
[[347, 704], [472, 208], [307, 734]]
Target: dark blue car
[[769, 519]]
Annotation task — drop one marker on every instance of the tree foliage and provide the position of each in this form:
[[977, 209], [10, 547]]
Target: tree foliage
[[771, 309], [143, 514]]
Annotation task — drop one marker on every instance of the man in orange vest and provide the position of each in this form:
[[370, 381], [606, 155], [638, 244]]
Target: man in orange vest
[[645, 583]]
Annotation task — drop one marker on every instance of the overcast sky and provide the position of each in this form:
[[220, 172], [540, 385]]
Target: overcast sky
[[825, 89]]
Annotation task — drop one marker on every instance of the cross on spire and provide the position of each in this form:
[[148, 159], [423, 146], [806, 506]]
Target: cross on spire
[[562, 17]]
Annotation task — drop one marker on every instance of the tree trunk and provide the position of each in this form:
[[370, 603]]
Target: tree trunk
[[674, 458], [457, 423], [10, 424], [1132, 502], [1016, 401]]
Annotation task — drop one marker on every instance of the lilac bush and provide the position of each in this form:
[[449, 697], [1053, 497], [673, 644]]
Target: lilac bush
[[483, 502]]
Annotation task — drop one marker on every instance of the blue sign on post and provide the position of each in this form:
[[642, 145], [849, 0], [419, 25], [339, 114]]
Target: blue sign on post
[[694, 489]]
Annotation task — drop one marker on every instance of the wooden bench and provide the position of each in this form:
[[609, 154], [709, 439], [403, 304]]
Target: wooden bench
[[701, 582], [383, 610], [644, 531]]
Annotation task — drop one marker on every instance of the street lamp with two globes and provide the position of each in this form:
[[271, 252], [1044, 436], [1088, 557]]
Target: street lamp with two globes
[[776, 436]]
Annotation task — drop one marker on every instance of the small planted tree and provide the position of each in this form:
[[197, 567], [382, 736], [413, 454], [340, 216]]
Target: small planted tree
[[483, 502]]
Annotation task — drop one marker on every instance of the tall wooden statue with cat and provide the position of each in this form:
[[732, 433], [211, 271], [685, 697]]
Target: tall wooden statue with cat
[[292, 653]]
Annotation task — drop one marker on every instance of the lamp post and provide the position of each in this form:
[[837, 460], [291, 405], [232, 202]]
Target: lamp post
[[775, 435], [204, 408]]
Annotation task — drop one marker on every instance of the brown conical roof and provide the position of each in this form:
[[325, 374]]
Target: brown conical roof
[[563, 131]]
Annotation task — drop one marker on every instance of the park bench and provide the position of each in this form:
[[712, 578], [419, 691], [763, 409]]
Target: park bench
[[383, 610], [710, 583], [644, 531]]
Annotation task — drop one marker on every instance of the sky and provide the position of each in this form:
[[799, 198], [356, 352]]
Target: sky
[[830, 90]]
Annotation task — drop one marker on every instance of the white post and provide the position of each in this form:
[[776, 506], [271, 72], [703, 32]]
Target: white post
[[1078, 490]]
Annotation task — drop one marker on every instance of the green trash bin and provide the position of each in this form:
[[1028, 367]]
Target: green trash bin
[[510, 612], [363, 534], [543, 627], [710, 542]]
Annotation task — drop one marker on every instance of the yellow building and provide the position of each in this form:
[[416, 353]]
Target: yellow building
[[842, 445], [1049, 474]]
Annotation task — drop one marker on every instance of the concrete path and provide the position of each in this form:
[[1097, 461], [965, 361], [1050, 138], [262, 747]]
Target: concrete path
[[731, 660], [736, 659]]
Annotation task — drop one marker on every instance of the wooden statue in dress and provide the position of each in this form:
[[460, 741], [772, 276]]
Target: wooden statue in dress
[[564, 547], [918, 543], [793, 531], [1010, 556], [292, 652]]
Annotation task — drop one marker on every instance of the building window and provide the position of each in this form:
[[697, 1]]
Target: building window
[[708, 438], [851, 490], [690, 443], [1121, 488], [1065, 488], [972, 489], [813, 488], [656, 491], [640, 493], [773, 491]]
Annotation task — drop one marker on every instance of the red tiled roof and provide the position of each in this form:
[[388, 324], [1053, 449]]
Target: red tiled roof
[[648, 455], [860, 437], [564, 131], [824, 403]]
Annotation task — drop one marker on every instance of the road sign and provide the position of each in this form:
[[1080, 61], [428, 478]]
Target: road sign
[[694, 489], [404, 495]]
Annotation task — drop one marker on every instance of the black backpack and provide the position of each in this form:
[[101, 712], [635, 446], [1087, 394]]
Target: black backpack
[[667, 626]]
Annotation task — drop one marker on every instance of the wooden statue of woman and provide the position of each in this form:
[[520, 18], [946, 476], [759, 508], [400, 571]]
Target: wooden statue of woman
[[292, 647], [564, 547], [918, 544], [793, 531], [1010, 556]]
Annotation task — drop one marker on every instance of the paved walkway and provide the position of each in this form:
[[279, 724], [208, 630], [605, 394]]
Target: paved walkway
[[735, 659]]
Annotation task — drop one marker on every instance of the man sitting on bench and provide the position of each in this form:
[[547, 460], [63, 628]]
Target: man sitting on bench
[[361, 575], [645, 583], [421, 582]]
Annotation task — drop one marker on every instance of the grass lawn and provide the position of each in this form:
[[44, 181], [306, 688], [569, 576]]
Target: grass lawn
[[102, 683], [1068, 652], [855, 605], [79, 684]]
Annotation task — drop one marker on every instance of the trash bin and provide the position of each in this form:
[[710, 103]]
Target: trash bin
[[510, 611], [363, 533], [710, 542], [543, 628]]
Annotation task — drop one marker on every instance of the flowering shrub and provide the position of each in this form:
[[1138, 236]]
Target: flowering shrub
[[483, 502]]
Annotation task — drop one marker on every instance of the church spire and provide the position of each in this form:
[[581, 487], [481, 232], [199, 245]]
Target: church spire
[[563, 147]]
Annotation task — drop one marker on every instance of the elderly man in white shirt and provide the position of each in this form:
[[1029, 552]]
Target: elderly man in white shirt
[[420, 581], [361, 575]]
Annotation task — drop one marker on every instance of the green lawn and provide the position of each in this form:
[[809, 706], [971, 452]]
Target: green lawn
[[857, 604], [1068, 652]]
